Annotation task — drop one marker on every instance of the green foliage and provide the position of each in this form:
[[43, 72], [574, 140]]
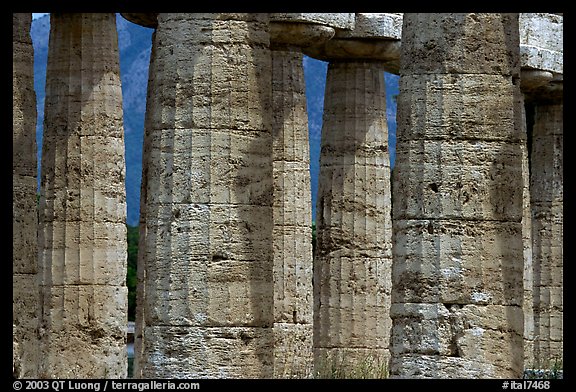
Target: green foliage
[[338, 367], [131, 279], [549, 369]]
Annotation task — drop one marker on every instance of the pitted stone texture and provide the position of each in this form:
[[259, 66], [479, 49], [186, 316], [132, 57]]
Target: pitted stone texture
[[215, 352], [455, 261], [528, 278], [547, 198], [206, 244], [25, 310], [375, 26], [293, 350], [25, 304], [457, 281], [457, 98], [459, 44], [466, 332], [353, 253], [335, 20], [80, 334], [542, 41], [469, 179], [432, 366], [82, 240], [292, 231]]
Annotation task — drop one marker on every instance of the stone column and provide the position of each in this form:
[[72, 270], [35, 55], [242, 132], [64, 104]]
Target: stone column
[[353, 256], [541, 56], [206, 244], [292, 211], [149, 20], [82, 238], [546, 196], [458, 250], [25, 303]]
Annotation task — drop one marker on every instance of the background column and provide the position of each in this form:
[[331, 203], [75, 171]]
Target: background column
[[292, 210], [82, 236], [541, 58], [25, 305], [353, 260]]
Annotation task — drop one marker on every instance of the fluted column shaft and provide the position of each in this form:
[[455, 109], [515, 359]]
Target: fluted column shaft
[[457, 205], [292, 233], [82, 238], [353, 250], [546, 186], [25, 305], [206, 246]]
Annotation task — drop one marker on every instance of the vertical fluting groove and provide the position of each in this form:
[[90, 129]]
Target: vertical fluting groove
[[458, 255], [83, 203], [351, 317], [25, 274]]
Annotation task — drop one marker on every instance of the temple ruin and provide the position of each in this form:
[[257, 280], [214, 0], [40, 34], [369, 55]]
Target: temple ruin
[[449, 267]]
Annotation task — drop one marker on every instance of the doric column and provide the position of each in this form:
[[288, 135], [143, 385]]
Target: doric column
[[82, 236], [206, 241], [292, 210], [544, 280], [25, 303], [353, 257], [546, 185], [458, 251], [541, 51]]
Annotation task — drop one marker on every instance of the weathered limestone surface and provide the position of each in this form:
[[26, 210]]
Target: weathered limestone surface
[[82, 238], [528, 278], [353, 253], [207, 242], [541, 57], [458, 252], [546, 186], [25, 304], [542, 41], [341, 20], [292, 231]]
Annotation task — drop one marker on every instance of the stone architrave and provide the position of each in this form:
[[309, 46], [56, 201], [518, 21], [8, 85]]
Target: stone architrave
[[353, 260], [82, 239], [25, 303], [206, 256], [457, 275]]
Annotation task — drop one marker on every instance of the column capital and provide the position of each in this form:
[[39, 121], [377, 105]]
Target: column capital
[[541, 86], [298, 34], [375, 37], [145, 19]]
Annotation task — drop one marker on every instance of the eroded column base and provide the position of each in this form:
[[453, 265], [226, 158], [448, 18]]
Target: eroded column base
[[207, 352]]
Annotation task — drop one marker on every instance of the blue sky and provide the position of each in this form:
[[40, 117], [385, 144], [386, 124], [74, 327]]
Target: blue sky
[[38, 15]]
